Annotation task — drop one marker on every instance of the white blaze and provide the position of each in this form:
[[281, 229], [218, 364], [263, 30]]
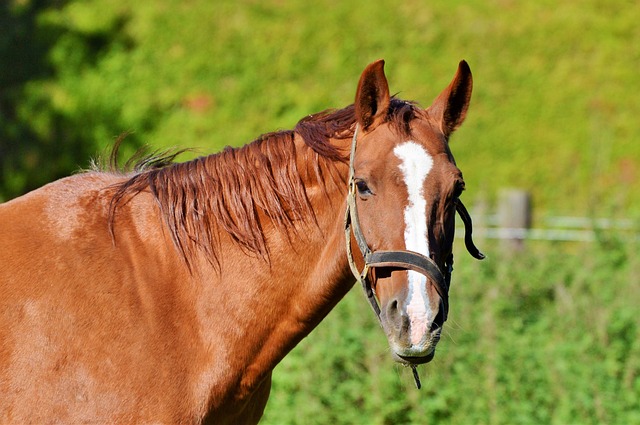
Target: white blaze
[[415, 164]]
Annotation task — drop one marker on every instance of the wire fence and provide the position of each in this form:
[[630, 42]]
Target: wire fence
[[576, 229], [513, 221]]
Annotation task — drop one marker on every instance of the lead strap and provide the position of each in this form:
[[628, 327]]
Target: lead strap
[[416, 378]]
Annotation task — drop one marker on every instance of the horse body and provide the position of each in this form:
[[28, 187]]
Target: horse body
[[169, 295], [95, 323]]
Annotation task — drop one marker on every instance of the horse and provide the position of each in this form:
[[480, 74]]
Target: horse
[[168, 293]]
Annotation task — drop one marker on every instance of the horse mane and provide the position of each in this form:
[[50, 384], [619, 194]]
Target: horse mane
[[226, 191]]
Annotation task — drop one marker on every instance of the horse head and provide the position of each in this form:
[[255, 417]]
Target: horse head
[[403, 196]]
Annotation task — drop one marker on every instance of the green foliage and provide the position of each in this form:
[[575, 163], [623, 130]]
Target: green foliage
[[51, 113], [538, 337], [554, 108]]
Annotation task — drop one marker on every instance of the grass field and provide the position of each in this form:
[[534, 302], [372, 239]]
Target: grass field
[[547, 336], [540, 338], [554, 109]]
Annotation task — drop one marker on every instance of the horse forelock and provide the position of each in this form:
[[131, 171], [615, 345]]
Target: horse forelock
[[227, 191]]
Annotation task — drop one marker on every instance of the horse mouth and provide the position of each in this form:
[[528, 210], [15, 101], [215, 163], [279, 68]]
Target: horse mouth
[[414, 360]]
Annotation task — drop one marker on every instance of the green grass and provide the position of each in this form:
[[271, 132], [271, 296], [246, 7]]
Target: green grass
[[554, 108], [533, 338], [549, 336]]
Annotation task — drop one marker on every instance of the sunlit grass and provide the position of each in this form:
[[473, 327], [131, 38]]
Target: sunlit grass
[[539, 337], [554, 108]]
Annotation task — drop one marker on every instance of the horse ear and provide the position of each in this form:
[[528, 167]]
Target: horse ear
[[450, 107], [372, 97]]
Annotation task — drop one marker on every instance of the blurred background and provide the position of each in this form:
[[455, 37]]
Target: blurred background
[[546, 330]]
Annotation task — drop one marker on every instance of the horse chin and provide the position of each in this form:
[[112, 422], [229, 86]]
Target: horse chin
[[414, 360]]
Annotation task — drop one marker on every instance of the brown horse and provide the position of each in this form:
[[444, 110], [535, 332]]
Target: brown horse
[[169, 294]]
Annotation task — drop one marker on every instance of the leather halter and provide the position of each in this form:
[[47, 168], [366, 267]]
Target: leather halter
[[405, 260]]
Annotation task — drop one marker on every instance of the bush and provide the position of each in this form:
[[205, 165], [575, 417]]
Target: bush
[[543, 337]]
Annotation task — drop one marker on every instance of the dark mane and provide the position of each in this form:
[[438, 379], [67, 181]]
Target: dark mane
[[227, 191]]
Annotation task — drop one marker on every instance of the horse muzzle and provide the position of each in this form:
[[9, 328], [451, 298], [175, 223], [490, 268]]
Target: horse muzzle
[[413, 321]]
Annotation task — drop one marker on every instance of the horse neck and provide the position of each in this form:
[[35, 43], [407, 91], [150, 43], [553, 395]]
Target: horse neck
[[320, 242], [317, 253], [276, 302]]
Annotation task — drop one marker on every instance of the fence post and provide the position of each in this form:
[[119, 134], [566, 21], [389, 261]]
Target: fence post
[[514, 217]]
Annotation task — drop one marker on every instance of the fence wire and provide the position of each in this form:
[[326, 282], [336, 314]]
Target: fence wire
[[569, 229]]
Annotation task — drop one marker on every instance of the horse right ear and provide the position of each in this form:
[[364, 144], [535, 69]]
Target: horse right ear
[[372, 97]]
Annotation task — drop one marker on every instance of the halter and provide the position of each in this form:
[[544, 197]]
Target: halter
[[405, 260]]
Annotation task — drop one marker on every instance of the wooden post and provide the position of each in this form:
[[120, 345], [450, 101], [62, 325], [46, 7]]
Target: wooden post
[[514, 217]]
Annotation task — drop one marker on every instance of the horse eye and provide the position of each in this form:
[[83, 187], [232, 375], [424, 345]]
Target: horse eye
[[362, 187]]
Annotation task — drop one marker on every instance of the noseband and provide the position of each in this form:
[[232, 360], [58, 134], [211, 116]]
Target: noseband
[[404, 260]]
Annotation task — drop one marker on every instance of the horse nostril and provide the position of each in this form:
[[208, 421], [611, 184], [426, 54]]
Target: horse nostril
[[392, 309], [396, 316], [393, 305]]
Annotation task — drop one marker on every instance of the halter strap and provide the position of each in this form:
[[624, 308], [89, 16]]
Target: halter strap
[[403, 259]]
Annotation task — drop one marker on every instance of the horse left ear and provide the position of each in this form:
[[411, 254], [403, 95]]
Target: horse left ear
[[450, 107], [372, 97]]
